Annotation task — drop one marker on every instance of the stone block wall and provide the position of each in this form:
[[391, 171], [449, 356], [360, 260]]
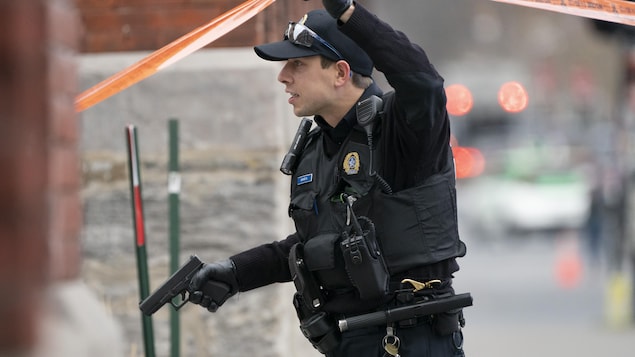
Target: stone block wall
[[234, 127]]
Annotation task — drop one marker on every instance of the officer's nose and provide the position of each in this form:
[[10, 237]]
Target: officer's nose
[[283, 75]]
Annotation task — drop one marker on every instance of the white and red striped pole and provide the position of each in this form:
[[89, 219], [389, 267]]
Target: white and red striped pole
[[140, 237]]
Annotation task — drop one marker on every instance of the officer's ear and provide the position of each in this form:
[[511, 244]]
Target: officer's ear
[[343, 71]]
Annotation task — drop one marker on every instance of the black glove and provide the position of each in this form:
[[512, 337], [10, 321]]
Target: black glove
[[224, 272], [336, 7]]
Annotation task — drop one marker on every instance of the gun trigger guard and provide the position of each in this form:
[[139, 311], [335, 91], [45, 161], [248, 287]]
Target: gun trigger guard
[[184, 301]]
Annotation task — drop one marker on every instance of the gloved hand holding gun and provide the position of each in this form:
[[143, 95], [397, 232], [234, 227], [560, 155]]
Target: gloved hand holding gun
[[208, 285], [223, 272]]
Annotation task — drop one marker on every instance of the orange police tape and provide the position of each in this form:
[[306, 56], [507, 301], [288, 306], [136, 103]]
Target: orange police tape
[[619, 11], [170, 53]]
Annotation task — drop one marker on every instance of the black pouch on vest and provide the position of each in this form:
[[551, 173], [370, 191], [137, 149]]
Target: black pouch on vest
[[321, 331], [364, 263], [447, 322], [324, 259]]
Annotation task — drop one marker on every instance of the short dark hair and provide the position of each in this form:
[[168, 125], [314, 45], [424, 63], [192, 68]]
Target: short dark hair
[[359, 81]]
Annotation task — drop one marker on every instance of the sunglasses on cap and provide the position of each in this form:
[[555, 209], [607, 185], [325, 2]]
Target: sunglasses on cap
[[301, 35]]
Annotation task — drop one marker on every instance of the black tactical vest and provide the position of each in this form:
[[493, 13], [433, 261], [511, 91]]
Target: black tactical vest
[[414, 227]]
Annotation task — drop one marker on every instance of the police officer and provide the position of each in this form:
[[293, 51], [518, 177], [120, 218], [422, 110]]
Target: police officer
[[373, 192]]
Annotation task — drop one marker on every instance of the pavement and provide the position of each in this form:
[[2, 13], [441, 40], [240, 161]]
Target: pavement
[[541, 298], [547, 340]]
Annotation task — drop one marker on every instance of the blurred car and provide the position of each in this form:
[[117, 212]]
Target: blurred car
[[547, 201], [524, 201]]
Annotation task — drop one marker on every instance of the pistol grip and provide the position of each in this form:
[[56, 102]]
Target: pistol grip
[[218, 291]]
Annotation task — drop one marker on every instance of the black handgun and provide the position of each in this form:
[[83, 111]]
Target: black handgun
[[179, 284]]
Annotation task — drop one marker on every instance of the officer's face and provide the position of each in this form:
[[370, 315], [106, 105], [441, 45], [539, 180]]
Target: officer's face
[[311, 87]]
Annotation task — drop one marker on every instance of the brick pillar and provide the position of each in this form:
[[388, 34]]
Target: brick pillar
[[39, 187], [65, 215]]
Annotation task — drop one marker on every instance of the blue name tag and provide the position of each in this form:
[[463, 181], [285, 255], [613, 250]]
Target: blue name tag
[[304, 179]]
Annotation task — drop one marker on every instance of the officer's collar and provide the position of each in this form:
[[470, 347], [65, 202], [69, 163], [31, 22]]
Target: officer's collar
[[344, 127]]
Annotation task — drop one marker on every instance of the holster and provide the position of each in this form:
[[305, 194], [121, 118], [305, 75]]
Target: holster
[[317, 326], [304, 282]]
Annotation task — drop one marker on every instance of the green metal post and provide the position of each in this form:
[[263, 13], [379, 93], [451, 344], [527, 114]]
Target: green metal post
[[139, 229], [174, 189]]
